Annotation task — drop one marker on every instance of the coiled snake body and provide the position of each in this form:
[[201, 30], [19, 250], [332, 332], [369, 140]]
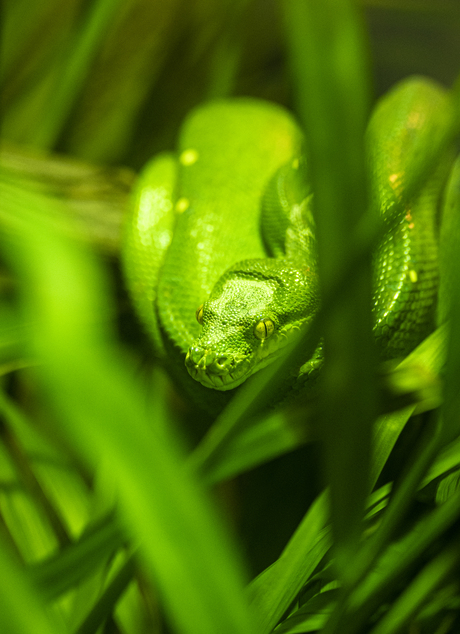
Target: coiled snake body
[[220, 250]]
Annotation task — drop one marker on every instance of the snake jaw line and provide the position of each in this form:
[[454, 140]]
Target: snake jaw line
[[212, 370]]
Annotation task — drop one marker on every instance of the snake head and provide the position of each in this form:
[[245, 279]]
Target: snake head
[[251, 315]]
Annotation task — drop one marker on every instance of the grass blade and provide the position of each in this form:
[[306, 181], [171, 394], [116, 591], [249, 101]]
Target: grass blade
[[21, 611], [72, 71], [450, 299], [273, 591], [101, 410], [55, 576], [419, 591], [333, 102]]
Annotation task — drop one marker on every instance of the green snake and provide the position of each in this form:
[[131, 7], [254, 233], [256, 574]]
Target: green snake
[[220, 252]]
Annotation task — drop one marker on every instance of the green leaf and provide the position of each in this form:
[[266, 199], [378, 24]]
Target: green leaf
[[20, 609], [100, 409], [448, 486], [415, 596], [398, 558], [71, 69], [450, 302], [273, 590], [332, 92], [108, 599], [231, 447], [311, 616], [446, 460], [56, 575]]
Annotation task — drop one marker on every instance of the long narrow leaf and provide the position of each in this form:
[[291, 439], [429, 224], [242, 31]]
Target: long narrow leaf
[[273, 591], [20, 609], [420, 590], [333, 101], [101, 410]]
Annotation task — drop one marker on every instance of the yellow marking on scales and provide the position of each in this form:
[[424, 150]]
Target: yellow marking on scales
[[394, 179], [188, 157], [396, 182], [413, 276], [416, 119], [409, 220]]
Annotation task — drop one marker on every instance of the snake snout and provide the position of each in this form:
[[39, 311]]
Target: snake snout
[[219, 371], [205, 359]]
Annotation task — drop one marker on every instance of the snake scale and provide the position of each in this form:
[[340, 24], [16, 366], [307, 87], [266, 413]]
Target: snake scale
[[219, 249]]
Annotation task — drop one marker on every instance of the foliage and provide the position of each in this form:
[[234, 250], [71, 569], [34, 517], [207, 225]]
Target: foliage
[[122, 508]]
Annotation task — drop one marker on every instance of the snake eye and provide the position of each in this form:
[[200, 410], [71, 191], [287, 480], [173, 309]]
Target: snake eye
[[199, 314], [264, 328]]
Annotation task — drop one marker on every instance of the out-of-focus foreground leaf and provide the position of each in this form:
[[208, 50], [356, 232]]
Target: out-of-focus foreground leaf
[[332, 95], [100, 410], [21, 610]]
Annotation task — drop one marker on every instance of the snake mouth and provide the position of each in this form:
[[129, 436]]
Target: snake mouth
[[216, 381], [219, 373], [225, 372]]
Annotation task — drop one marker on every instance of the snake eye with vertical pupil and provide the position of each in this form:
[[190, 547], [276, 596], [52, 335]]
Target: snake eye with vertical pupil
[[264, 328], [199, 314]]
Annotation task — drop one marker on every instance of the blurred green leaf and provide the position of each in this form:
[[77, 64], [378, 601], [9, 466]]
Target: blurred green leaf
[[332, 94], [419, 591], [447, 459], [100, 410], [448, 486], [264, 438], [105, 604], [56, 575], [21, 611], [450, 302], [419, 372], [71, 70], [92, 196], [398, 558], [111, 102]]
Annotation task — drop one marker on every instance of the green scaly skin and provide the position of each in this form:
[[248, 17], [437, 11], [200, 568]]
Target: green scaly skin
[[234, 158], [406, 270], [227, 152]]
